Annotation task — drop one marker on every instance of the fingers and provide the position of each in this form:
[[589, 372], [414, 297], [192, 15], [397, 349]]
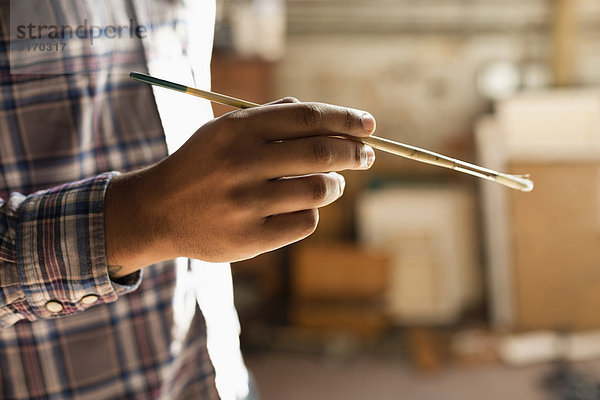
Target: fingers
[[301, 193], [313, 155], [293, 120], [286, 210], [280, 230], [288, 195]]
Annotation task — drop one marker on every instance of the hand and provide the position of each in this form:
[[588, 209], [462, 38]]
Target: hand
[[246, 183]]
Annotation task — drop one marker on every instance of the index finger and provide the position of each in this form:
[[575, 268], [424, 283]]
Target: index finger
[[295, 120]]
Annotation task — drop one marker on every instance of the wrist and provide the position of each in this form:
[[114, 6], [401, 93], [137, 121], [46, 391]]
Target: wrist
[[134, 234]]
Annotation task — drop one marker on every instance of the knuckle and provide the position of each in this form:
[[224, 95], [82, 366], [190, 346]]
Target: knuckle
[[232, 117], [308, 221], [234, 120], [311, 115], [323, 152], [349, 122], [290, 99], [232, 169], [320, 188], [358, 154], [229, 124], [239, 161], [242, 201]]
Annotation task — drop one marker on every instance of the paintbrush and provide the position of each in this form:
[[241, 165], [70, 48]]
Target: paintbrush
[[519, 182]]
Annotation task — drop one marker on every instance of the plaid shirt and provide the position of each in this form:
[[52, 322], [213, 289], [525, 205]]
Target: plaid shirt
[[67, 116]]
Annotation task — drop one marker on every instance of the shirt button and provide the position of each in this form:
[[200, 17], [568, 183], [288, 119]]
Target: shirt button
[[89, 299], [54, 306]]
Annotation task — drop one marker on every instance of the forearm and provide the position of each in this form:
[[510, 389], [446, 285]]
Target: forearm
[[134, 228]]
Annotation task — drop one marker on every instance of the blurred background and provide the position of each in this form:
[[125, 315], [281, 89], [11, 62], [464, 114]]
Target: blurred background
[[423, 283]]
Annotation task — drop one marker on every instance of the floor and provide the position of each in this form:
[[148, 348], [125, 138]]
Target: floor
[[293, 376]]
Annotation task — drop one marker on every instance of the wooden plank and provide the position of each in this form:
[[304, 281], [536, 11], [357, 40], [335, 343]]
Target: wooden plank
[[556, 242], [564, 39]]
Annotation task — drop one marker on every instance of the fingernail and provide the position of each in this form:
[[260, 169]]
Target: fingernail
[[368, 122], [370, 159]]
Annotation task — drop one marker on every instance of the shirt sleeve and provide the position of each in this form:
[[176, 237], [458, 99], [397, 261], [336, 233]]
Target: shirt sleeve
[[52, 253]]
